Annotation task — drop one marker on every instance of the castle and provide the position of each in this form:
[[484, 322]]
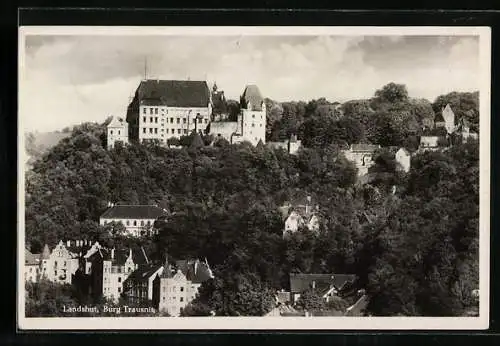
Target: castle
[[163, 109]]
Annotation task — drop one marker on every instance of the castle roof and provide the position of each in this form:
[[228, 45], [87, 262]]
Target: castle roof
[[253, 96], [133, 212], [143, 273], [173, 93], [195, 270]]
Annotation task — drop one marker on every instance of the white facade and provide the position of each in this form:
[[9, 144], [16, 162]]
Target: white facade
[[117, 131], [254, 125], [363, 159], [31, 272], [449, 119], [403, 157], [293, 222], [176, 293], [114, 276], [60, 265], [162, 122], [133, 227]]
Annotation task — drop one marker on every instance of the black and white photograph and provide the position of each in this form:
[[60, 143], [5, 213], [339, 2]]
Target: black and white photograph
[[254, 177]]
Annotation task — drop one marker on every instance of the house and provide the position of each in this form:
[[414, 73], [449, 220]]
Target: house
[[138, 287], [31, 266], [137, 219], [161, 109], [300, 213], [325, 285], [292, 145], [251, 123], [446, 119], [429, 143], [403, 157], [60, 264], [464, 131], [175, 289], [362, 156], [117, 131]]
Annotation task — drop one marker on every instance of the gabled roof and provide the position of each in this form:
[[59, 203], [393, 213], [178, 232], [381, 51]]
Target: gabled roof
[[303, 282], [439, 118], [117, 122], [195, 270], [144, 272], [31, 259], [133, 212], [173, 93], [253, 96]]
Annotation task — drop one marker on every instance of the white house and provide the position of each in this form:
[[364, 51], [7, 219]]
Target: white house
[[117, 131], [137, 219], [300, 213], [162, 109], [60, 264], [362, 156]]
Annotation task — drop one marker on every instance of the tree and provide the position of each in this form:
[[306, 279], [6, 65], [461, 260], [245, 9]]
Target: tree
[[310, 301], [392, 93]]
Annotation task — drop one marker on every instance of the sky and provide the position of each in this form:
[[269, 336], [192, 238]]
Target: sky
[[66, 80]]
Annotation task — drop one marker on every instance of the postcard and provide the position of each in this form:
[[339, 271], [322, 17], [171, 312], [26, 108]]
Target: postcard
[[255, 178]]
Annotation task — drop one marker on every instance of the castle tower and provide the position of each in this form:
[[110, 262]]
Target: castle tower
[[449, 119], [253, 115]]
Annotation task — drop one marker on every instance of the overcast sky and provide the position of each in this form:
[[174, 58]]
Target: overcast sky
[[70, 79]]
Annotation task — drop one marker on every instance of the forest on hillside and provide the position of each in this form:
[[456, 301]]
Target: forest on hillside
[[415, 251]]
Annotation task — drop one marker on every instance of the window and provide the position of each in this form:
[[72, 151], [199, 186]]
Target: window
[[144, 118], [142, 223], [182, 289], [151, 111], [183, 120], [179, 131], [156, 120], [119, 289], [118, 131], [150, 130], [197, 114], [163, 298], [144, 112], [156, 130], [253, 115], [260, 125], [144, 130], [119, 279], [150, 119], [178, 120], [135, 223], [111, 131], [156, 110], [128, 223], [148, 223], [129, 269], [171, 120], [253, 125], [31, 270], [185, 131], [182, 299], [200, 121], [206, 121], [64, 264]]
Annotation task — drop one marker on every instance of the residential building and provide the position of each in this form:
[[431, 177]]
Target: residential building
[[251, 123], [117, 131], [175, 289], [464, 131], [403, 157], [137, 219], [300, 213], [362, 156], [32, 266], [325, 285], [162, 109], [60, 264], [138, 287], [429, 143]]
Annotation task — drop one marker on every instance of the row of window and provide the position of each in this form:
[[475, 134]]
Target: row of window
[[181, 299], [119, 279], [111, 132], [172, 131], [148, 223], [178, 120], [173, 288]]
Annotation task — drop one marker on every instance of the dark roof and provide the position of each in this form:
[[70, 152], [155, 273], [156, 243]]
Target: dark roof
[[31, 259], [365, 147], [197, 142], [133, 212], [303, 282], [439, 118], [252, 95], [195, 270], [144, 272], [174, 93]]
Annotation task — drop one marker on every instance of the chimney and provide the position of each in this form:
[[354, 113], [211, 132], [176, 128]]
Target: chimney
[[112, 253]]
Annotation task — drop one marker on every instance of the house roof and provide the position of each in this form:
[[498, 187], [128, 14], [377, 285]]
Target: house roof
[[197, 142], [439, 118], [364, 147], [252, 94], [303, 282], [30, 258], [195, 270], [117, 122], [133, 212], [144, 272], [174, 93]]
